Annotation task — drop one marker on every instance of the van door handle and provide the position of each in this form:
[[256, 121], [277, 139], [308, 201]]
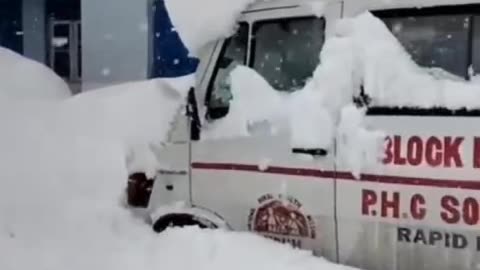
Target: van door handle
[[317, 152]]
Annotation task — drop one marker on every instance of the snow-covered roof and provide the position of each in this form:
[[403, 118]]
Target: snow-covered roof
[[362, 4], [396, 4]]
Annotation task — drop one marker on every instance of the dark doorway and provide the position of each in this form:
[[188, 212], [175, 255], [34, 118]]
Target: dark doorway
[[11, 35], [64, 40], [64, 9]]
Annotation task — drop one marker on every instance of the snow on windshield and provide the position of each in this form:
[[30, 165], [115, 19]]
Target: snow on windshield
[[41, 82]]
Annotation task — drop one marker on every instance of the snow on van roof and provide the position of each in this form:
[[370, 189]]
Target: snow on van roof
[[362, 5], [353, 7]]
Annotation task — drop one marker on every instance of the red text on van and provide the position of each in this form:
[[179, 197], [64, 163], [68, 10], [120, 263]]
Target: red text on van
[[387, 204], [434, 151]]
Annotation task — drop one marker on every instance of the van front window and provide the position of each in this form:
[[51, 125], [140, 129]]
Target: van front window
[[234, 52], [287, 51], [437, 41]]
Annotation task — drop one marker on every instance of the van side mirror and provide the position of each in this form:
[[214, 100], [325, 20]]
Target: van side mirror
[[316, 152]]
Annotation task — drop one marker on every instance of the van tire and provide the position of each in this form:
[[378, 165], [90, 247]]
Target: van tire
[[179, 220]]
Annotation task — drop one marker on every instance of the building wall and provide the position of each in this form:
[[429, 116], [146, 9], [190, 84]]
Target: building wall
[[115, 39]]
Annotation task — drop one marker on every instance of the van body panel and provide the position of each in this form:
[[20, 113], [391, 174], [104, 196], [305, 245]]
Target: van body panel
[[418, 210], [255, 184]]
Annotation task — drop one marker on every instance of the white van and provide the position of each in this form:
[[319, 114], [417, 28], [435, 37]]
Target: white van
[[422, 212]]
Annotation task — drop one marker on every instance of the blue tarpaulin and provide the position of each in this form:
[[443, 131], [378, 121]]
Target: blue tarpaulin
[[171, 57]]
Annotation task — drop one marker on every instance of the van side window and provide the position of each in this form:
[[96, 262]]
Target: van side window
[[435, 41], [234, 52], [476, 47], [287, 51]]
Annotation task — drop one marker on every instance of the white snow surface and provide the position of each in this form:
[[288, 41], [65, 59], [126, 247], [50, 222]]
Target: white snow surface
[[61, 191], [356, 143], [22, 78], [63, 168]]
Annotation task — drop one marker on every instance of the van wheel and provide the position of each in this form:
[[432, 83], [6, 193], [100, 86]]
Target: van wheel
[[180, 220]]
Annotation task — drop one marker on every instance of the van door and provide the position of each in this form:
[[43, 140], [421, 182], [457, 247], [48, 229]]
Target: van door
[[256, 183], [421, 209]]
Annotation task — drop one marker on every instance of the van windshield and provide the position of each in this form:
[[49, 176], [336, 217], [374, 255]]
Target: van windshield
[[234, 52], [287, 51], [284, 51]]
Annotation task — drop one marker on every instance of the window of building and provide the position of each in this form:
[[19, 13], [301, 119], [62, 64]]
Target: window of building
[[64, 40], [11, 35], [287, 51]]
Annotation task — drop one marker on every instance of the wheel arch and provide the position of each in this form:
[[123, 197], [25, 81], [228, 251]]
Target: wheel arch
[[179, 216]]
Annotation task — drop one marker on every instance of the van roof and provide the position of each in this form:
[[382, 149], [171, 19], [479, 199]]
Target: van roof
[[368, 4]]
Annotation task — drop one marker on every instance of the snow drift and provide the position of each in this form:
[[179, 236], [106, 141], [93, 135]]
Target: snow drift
[[22, 78], [63, 168], [61, 191]]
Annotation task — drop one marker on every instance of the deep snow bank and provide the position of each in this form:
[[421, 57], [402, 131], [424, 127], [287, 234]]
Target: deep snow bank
[[22, 78], [63, 167], [139, 115], [216, 249], [61, 185]]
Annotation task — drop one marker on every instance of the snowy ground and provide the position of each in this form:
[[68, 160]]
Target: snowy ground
[[64, 165], [63, 168]]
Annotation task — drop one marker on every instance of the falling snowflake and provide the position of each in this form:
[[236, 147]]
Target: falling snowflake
[[106, 72], [143, 27]]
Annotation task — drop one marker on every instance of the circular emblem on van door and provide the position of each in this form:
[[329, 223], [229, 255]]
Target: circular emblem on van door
[[282, 219]]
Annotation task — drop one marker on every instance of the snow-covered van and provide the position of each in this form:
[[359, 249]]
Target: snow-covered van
[[420, 210]]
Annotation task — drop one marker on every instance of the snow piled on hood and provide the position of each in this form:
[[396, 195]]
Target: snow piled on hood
[[22, 78]]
